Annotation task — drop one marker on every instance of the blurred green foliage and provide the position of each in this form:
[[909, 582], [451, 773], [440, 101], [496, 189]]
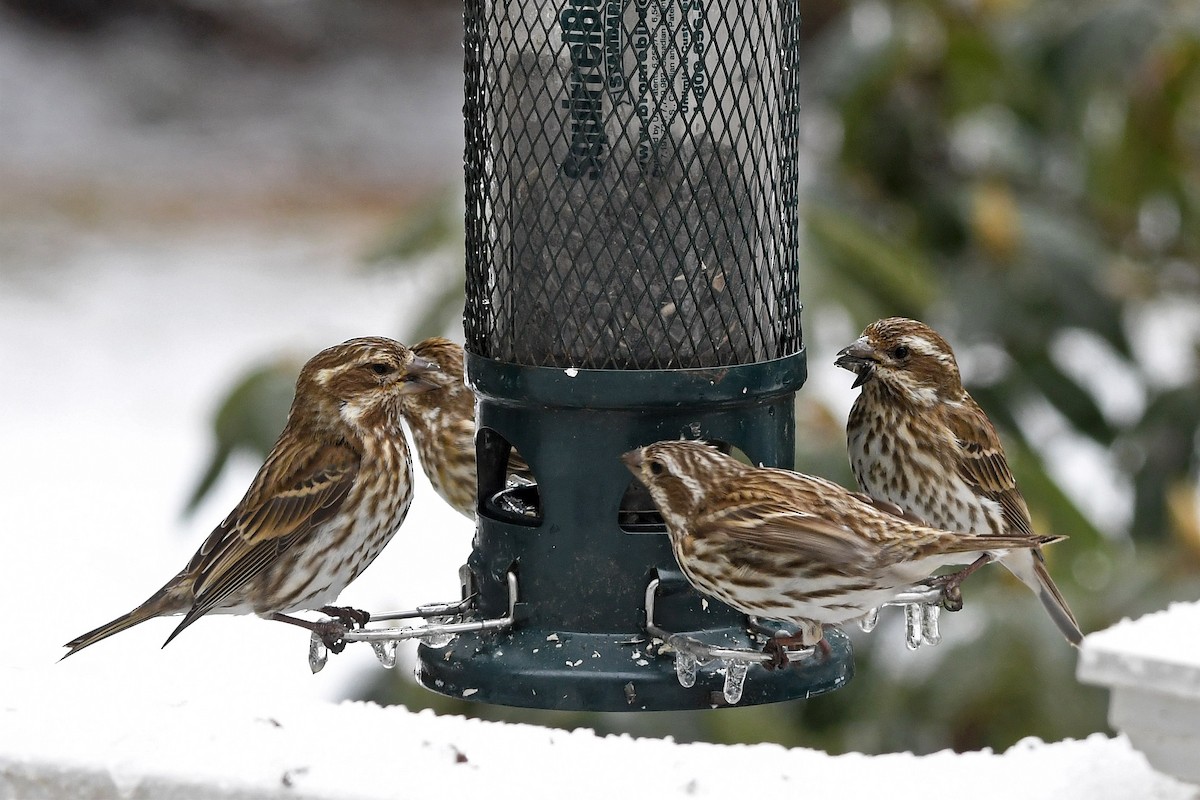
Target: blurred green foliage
[[251, 413], [249, 419], [434, 230], [1025, 177]]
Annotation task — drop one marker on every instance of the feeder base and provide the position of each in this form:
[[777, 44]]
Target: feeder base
[[605, 672]]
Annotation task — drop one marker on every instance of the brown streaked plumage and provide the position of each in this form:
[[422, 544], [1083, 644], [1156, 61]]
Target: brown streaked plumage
[[917, 439], [787, 546], [331, 494], [442, 422]]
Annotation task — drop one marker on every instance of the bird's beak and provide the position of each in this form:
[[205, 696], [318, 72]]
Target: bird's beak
[[859, 358], [417, 377], [633, 460]]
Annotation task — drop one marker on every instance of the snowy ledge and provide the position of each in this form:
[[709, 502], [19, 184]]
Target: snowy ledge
[[1152, 666], [316, 750]]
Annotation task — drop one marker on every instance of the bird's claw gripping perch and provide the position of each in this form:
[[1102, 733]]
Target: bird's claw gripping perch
[[327, 636], [443, 621], [347, 616], [779, 646], [951, 584], [952, 599], [332, 634], [777, 651], [691, 653]]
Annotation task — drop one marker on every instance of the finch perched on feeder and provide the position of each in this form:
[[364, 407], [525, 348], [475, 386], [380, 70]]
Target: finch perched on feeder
[[791, 547], [917, 439], [442, 423], [333, 491]]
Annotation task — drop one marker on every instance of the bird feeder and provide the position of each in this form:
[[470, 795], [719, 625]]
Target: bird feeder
[[631, 277]]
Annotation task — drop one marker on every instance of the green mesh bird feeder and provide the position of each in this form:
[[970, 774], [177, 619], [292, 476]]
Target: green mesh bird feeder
[[631, 277]]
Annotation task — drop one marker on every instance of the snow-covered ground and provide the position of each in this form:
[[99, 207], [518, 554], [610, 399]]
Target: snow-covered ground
[[1151, 666], [362, 751]]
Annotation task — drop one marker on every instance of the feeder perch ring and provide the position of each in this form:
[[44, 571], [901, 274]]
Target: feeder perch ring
[[691, 653], [446, 620]]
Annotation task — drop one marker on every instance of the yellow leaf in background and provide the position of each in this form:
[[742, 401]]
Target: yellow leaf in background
[[1184, 516], [995, 220], [818, 422]]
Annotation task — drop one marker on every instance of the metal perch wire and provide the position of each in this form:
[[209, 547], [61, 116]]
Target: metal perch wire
[[922, 606], [444, 621]]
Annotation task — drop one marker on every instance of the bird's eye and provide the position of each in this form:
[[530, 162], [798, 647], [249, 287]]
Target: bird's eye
[[901, 351], [656, 468], [381, 369]]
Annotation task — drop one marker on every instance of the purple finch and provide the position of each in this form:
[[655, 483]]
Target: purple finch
[[787, 546], [917, 439], [442, 422], [333, 491]]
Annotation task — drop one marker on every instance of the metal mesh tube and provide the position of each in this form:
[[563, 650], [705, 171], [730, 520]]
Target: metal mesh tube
[[631, 183]]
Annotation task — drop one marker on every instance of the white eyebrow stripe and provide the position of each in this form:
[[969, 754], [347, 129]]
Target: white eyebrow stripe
[[922, 345], [925, 347]]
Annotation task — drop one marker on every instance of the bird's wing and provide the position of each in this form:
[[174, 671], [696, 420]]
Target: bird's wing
[[888, 507], [766, 528], [289, 498], [981, 462]]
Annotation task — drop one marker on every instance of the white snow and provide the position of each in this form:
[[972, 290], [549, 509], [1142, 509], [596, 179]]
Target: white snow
[[1152, 666], [1159, 651], [86, 745]]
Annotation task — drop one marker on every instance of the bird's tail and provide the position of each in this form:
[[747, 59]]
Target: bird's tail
[[163, 602], [948, 542], [1030, 567]]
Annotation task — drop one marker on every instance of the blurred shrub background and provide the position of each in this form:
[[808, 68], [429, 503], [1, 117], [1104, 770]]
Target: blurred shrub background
[[1024, 176]]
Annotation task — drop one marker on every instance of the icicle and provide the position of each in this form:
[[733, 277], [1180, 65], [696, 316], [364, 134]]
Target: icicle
[[318, 654], [436, 640], [735, 679], [912, 625], [385, 652], [930, 633], [869, 620], [685, 668]]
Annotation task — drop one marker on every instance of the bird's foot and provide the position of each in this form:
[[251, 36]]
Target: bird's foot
[[952, 599], [951, 586], [778, 653], [332, 634], [347, 616], [777, 648]]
